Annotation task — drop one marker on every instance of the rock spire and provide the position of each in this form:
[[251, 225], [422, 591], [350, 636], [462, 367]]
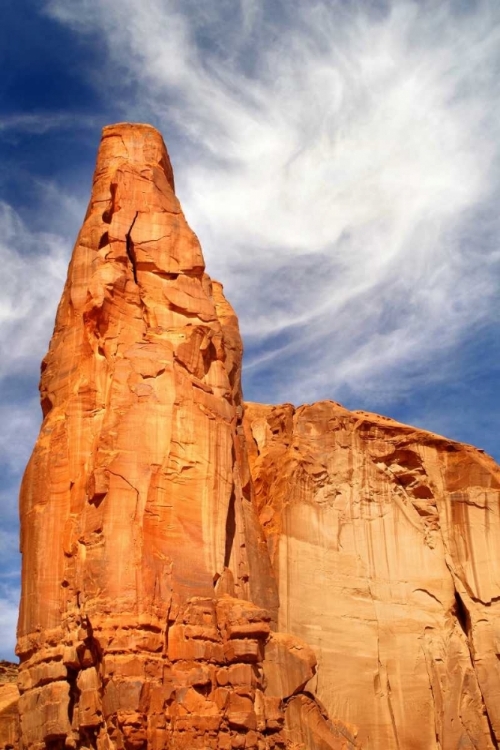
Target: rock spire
[[148, 595]]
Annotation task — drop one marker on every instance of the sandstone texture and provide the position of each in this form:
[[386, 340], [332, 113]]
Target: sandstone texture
[[9, 706], [203, 573], [148, 595], [385, 541]]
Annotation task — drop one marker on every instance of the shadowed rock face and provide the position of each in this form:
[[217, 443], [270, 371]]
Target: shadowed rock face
[[147, 590], [185, 570]]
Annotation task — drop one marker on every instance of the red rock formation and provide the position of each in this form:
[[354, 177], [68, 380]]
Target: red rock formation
[[147, 588], [9, 706], [185, 571], [385, 540]]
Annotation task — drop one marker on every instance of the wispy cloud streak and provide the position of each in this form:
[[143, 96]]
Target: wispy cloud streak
[[33, 271], [337, 163], [40, 122], [9, 603]]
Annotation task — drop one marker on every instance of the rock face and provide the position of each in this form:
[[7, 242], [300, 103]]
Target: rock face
[[148, 594], [385, 541], [9, 706], [196, 577]]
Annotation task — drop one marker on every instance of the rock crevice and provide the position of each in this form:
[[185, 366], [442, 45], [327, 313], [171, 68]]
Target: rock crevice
[[130, 248]]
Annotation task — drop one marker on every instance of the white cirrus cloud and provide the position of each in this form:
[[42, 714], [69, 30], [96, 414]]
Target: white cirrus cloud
[[33, 266], [42, 122], [33, 271], [9, 603], [340, 164]]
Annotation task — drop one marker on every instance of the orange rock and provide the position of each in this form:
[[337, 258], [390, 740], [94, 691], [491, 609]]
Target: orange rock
[[145, 568], [308, 726], [159, 525], [244, 650], [9, 706], [44, 713], [240, 712], [138, 410], [238, 675], [88, 684], [288, 665]]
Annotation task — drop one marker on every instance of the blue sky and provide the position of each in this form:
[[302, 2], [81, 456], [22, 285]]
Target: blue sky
[[339, 162]]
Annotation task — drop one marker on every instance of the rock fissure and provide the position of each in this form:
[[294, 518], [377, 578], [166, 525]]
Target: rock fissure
[[463, 618], [391, 711], [493, 737], [129, 244], [132, 487], [230, 529], [462, 615], [437, 732], [383, 676]]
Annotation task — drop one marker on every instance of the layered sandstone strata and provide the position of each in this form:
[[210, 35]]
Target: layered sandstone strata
[[148, 595], [385, 540]]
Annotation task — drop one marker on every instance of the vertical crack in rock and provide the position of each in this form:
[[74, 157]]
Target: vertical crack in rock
[[434, 708], [230, 529], [74, 692], [494, 740], [391, 711], [384, 676], [130, 248], [462, 616]]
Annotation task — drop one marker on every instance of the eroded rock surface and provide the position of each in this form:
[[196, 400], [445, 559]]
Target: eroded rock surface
[[148, 595], [385, 541], [196, 577], [9, 706]]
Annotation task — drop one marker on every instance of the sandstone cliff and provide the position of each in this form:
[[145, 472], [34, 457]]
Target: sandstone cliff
[[385, 541], [148, 595], [200, 573]]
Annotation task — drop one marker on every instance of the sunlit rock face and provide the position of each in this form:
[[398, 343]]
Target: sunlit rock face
[[385, 541], [9, 706], [148, 595], [200, 573]]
